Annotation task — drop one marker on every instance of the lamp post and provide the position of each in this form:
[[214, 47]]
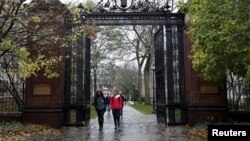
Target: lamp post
[[134, 93], [153, 71]]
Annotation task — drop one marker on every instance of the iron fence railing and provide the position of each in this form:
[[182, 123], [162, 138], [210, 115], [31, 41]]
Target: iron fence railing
[[8, 104]]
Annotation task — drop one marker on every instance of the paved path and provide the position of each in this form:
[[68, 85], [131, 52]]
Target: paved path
[[134, 127]]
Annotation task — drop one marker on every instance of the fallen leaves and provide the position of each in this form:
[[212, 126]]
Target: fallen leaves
[[17, 131], [199, 132]]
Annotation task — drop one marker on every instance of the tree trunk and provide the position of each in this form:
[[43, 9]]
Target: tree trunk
[[147, 81], [139, 85]]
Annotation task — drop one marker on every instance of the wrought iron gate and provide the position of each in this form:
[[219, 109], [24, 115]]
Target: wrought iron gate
[[175, 79], [170, 80], [160, 76], [169, 61], [77, 86]]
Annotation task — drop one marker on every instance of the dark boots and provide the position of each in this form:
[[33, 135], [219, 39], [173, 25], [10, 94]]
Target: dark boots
[[100, 125]]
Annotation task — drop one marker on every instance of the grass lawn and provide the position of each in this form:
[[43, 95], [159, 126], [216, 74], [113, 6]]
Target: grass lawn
[[93, 113], [143, 108]]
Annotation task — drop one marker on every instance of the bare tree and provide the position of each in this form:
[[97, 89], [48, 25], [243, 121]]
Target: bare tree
[[105, 49], [125, 79], [141, 42]]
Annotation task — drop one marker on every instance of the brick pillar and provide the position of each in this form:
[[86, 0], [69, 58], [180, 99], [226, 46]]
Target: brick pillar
[[44, 97], [204, 99], [44, 100]]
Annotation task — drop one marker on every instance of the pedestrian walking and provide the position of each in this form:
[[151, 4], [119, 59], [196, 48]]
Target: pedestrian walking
[[107, 101], [123, 100], [116, 105], [99, 103]]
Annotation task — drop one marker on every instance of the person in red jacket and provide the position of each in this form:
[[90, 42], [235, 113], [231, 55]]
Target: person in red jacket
[[116, 105]]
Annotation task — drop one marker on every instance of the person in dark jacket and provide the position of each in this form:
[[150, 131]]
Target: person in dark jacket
[[116, 105], [99, 103], [107, 101], [123, 99]]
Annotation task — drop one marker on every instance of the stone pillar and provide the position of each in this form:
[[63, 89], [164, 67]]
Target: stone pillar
[[204, 99]]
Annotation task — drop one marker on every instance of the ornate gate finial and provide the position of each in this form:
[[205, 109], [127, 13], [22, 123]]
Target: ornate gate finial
[[106, 6], [123, 3]]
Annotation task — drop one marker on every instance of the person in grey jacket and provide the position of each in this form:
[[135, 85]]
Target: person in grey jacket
[[99, 103]]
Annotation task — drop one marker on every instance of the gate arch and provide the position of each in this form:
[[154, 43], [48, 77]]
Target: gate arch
[[181, 96], [169, 65]]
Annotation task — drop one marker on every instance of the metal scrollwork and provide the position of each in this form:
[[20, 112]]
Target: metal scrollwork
[[112, 6], [124, 4]]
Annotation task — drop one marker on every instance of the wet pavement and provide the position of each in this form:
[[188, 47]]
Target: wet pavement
[[134, 127]]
